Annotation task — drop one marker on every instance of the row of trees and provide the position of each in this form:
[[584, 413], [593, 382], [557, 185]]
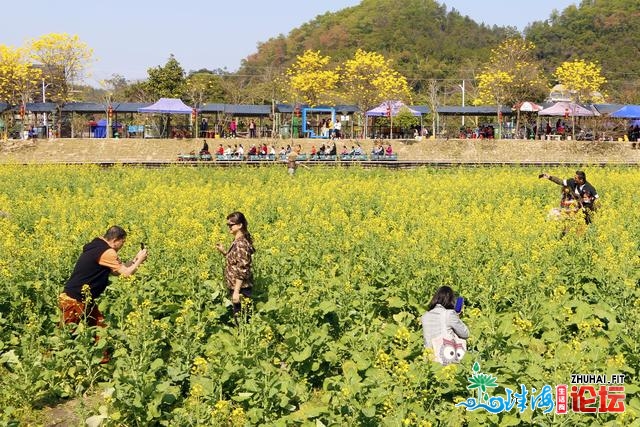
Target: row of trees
[[57, 62]]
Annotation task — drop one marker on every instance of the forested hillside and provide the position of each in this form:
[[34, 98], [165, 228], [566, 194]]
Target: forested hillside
[[607, 31], [426, 41]]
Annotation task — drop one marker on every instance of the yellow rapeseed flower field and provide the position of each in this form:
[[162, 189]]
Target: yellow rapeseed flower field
[[346, 263]]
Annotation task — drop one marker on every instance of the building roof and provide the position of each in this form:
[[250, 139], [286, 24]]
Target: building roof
[[480, 110], [422, 109], [344, 109], [605, 109], [128, 107], [237, 109], [38, 107], [84, 107]]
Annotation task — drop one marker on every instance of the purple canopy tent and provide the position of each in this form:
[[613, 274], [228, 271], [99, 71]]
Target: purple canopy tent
[[167, 106], [569, 109], [393, 107]]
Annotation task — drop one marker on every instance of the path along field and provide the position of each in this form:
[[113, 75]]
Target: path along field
[[453, 150], [346, 262]]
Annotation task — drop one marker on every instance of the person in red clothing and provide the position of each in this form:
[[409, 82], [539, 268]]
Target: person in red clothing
[[233, 127]]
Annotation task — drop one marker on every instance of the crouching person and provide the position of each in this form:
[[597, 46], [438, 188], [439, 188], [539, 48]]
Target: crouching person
[[90, 277], [442, 329]]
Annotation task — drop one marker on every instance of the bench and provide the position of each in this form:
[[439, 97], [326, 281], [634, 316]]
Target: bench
[[258, 158], [377, 157], [228, 158], [323, 157], [134, 131], [353, 157], [194, 157]]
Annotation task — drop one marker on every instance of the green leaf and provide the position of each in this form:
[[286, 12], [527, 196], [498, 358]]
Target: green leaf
[[395, 302], [303, 355], [327, 307], [156, 364], [241, 397]]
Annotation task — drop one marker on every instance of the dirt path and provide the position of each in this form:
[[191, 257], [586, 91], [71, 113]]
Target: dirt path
[[166, 150]]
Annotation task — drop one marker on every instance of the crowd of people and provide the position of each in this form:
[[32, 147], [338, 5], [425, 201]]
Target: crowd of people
[[328, 151]]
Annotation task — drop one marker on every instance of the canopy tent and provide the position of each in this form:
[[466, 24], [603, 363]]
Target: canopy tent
[[393, 107], [99, 129], [167, 106], [570, 109], [628, 112], [527, 106]]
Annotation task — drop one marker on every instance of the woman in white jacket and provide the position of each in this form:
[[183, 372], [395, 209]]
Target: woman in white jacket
[[441, 320]]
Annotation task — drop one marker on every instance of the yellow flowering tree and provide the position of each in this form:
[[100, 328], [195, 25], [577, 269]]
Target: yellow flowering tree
[[511, 75], [583, 79], [369, 79], [18, 78], [310, 78], [63, 59]]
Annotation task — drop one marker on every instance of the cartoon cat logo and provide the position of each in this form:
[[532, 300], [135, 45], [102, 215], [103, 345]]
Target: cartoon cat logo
[[448, 351]]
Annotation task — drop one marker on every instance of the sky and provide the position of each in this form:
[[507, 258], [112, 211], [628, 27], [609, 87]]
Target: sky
[[129, 37]]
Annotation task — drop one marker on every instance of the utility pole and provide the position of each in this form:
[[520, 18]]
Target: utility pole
[[44, 120], [462, 88]]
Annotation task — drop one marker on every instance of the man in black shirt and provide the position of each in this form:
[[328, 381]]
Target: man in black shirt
[[584, 192], [90, 277]]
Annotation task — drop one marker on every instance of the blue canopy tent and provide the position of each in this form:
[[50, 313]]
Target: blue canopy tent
[[628, 112], [99, 129]]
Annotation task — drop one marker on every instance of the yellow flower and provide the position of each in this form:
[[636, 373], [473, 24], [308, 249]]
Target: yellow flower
[[447, 373], [197, 391], [200, 366]]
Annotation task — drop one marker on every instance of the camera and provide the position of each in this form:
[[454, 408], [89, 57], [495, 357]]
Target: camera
[[541, 175], [141, 245]]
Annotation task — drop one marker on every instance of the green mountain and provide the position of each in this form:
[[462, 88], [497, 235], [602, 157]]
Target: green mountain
[[427, 42], [424, 40], [606, 31]]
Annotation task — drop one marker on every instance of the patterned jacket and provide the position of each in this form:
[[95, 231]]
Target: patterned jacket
[[238, 265], [441, 322]]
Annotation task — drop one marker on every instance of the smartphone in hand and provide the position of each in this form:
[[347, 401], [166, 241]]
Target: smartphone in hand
[[459, 304], [141, 245]]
